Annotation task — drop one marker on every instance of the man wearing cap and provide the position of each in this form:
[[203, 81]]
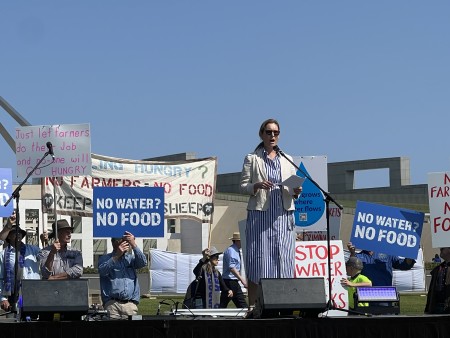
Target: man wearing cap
[[28, 265], [119, 284], [232, 274], [59, 260]]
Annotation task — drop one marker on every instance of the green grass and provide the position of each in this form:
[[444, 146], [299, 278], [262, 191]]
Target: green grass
[[410, 304], [149, 306]]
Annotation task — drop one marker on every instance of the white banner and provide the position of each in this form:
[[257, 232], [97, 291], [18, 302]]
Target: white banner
[[188, 186], [171, 272]]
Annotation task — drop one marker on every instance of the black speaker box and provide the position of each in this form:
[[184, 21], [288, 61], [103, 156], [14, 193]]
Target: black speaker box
[[283, 296], [67, 298]]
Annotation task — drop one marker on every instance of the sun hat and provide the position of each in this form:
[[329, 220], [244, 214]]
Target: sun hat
[[236, 236], [214, 252], [62, 224], [13, 230]]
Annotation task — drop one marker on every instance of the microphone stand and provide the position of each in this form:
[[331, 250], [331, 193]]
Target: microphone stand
[[330, 304], [16, 196]]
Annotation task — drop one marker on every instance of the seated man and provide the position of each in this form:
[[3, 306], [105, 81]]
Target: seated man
[[59, 260], [119, 285]]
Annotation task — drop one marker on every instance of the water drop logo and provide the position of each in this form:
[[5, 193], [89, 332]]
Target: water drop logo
[[310, 206]]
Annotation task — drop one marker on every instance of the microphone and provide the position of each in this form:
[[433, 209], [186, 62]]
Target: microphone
[[278, 150], [50, 150]]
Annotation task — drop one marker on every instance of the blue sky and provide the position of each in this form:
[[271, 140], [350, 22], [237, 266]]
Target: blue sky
[[348, 79]]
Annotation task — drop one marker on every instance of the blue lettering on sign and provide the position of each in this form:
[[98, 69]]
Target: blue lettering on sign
[[6, 192], [310, 206]]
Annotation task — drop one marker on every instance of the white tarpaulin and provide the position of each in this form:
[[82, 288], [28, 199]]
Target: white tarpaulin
[[171, 272], [411, 280]]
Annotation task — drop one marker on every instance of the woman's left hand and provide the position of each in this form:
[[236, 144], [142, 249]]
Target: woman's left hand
[[230, 294], [298, 191]]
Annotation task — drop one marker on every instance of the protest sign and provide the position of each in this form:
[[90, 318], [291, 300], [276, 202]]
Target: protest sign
[[6, 192], [390, 230], [439, 199], [311, 260], [188, 185], [139, 210], [70, 144]]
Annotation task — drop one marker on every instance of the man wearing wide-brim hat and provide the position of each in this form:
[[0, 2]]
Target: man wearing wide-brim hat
[[28, 265], [59, 260], [232, 274]]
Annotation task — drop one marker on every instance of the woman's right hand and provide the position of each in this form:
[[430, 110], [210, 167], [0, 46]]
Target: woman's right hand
[[263, 185]]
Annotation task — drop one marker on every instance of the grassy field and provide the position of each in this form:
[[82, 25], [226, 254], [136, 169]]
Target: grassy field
[[410, 304]]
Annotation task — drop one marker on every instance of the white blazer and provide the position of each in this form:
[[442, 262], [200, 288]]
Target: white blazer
[[254, 170]]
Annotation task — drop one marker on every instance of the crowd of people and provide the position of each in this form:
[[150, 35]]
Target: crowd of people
[[119, 284], [270, 243]]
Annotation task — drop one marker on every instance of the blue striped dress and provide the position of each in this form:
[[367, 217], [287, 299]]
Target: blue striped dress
[[270, 236]]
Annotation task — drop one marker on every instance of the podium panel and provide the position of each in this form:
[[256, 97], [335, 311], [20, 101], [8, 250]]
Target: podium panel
[[67, 298]]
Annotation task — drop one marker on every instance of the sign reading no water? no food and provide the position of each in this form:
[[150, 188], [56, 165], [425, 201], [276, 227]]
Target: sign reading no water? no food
[[386, 229], [139, 210]]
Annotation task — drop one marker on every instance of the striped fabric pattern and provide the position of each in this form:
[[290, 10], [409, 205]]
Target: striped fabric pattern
[[270, 238]]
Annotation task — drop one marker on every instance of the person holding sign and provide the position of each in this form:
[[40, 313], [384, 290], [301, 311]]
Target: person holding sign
[[378, 266], [270, 228], [119, 284], [7, 226], [59, 260], [354, 266], [438, 297], [208, 282], [28, 265]]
